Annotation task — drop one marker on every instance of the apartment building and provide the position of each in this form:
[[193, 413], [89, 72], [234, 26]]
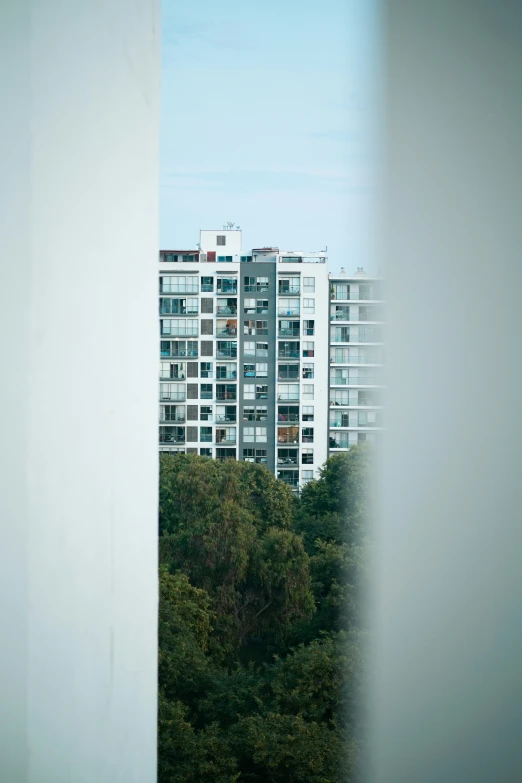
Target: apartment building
[[356, 359], [244, 354]]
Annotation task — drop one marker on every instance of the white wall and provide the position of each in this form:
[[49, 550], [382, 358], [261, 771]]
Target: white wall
[[208, 241], [78, 479], [448, 616]]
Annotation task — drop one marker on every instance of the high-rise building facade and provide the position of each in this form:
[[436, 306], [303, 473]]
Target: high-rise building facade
[[356, 359], [244, 355]]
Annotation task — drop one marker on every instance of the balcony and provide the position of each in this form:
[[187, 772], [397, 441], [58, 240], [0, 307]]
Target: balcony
[[227, 331], [226, 310], [294, 311], [180, 289], [285, 418], [258, 288], [221, 353], [291, 435], [289, 290], [288, 354], [167, 396], [341, 315], [226, 376], [168, 438], [180, 331], [289, 333], [178, 419], [179, 354], [289, 477], [226, 419], [226, 395], [227, 288]]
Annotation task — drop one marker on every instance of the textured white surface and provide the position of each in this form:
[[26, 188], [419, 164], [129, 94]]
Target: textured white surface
[[78, 480]]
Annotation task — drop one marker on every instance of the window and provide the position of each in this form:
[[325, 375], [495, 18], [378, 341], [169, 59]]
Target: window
[[172, 434], [307, 475], [288, 307], [287, 456], [246, 259], [309, 285], [226, 391], [339, 397], [308, 391], [289, 286], [226, 435], [308, 370], [249, 370], [287, 391], [308, 434], [226, 349], [288, 350], [172, 413], [308, 412], [287, 413], [226, 371], [288, 435], [254, 455], [221, 240], [205, 452], [250, 306], [227, 285], [340, 291], [249, 348], [288, 328], [249, 328], [262, 327], [261, 349], [309, 305], [222, 454], [261, 392], [249, 413], [226, 414], [262, 306], [308, 350], [262, 283], [206, 369], [176, 392], [261, 435], [207, 284], [248, 434], [307, 457], [223, 259], [206, 391], [249, 391], [261, 413], [206, 413], [261, 369], [308, 328], [250, 284], [289, 477], [205, 434], [288, 372]]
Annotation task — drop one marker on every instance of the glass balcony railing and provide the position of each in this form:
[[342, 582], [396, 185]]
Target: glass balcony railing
[[226, 310], [285, 418], [178, 354], [166, 396], [230, 419], [288, 355], [179, 289], [281, 311], [228, 395], [178, 419], [289, 290], [179, 331], [166, 438], [226, 376], [288, 332], [341, 315]]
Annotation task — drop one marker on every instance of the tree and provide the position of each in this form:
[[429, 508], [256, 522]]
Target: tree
[[235, 546]]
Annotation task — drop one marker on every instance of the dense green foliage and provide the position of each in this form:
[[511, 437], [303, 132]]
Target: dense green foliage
[[260, 625]]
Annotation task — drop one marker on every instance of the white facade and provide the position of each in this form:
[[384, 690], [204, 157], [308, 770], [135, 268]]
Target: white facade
[[356, 360], [78, 479], [243, 359]]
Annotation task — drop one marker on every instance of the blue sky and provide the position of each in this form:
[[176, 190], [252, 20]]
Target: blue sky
[[270, 120]]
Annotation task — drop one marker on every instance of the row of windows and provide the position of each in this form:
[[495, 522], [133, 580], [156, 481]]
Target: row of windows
[[361, 291], [228, 413]]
